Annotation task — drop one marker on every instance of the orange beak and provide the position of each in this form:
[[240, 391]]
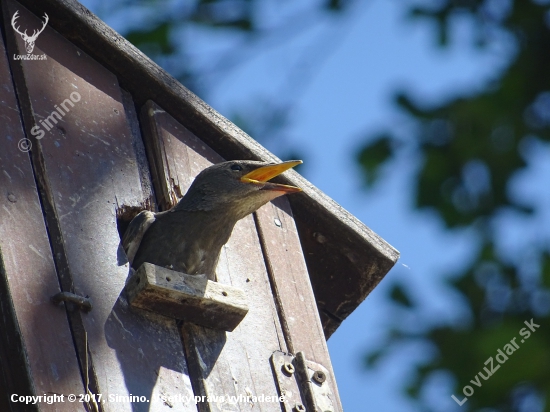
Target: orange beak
[[262, 174]]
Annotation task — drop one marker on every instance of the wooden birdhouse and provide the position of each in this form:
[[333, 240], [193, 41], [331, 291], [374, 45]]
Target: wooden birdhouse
[[93, 133]]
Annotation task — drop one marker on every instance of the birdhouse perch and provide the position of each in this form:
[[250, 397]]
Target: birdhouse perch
[[192, 298]]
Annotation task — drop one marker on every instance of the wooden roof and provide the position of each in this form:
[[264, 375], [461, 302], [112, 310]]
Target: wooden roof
[[345, 258]]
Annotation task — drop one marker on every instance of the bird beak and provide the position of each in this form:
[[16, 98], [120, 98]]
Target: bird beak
[[265, 173]]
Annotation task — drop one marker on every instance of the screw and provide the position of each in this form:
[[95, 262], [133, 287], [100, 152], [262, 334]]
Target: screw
[[319, 377], [299, 408], [278, 222], [12, 198], [288, 368], [319, 237]]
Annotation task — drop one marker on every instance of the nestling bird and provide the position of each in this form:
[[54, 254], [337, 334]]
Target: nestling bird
[[188, 238]]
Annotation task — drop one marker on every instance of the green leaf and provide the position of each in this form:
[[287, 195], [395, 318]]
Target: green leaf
[[158, 36], [399, 295], [545, 269], [372, 358], [373, 155], [337, 5]]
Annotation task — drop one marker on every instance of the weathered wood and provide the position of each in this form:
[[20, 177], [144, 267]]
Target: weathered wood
[[291, 285], [139, 150], [345, 259], [335, 242], [167, 186], [194, 299], [38, 352], [87, 168], [228, 364]]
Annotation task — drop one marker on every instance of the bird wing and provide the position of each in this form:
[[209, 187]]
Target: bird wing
[[135, 232]]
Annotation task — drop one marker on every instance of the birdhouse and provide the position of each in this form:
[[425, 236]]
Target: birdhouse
[[94, 133]]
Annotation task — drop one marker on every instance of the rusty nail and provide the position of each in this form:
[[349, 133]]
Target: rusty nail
[[299, 408], [288, 368], [12, 198], [319, 377], [83, 303]]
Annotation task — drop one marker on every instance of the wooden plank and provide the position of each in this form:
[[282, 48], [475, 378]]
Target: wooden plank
[[191, 298], [87, 168], [36, 337], [140, 155], [221, 363], [292, 287], [333, 239]]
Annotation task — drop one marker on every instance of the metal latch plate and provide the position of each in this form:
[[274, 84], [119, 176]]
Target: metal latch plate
[[303, 383]]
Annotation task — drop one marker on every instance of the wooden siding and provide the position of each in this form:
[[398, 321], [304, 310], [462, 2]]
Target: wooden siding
[[38, 352], [92, 176]]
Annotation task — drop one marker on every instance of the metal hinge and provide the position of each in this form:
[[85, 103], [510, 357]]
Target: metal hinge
[[303, 384]]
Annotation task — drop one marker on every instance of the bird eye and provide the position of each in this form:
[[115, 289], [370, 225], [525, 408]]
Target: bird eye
[[236, 167]]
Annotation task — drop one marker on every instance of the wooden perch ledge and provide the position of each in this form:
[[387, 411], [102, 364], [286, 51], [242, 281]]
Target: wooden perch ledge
[[192, 298]]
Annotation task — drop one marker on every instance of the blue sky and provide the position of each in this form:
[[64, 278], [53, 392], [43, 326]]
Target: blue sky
[[350, 96]]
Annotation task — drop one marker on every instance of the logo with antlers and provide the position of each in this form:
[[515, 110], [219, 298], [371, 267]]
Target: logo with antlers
[[29, 40]]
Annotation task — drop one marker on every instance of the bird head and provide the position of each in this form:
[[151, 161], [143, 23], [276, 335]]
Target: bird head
[[237, 187]]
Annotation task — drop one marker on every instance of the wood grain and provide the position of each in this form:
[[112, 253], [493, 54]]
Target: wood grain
[[191, 298], [87, 168], [39, 355], [292, 287]]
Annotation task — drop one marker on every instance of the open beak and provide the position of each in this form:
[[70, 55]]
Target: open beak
[[262, 174]]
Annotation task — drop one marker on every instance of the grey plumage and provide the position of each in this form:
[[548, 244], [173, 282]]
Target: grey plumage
[[188, 238]]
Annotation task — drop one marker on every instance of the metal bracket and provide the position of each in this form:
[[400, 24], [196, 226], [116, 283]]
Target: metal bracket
[[71, 300], [303, 383], [314, 384], [284, 370]]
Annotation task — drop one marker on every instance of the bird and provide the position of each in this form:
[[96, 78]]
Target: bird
[[188, 237]]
